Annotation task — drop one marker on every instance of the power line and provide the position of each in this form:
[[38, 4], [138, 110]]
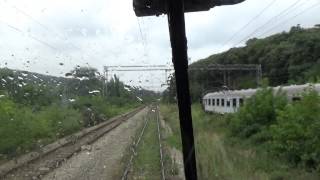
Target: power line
[[62, 37], [30, 36], [43, 26], [30, 17], [250, 22], [36, 39], [282, 13], [141, 35], [291, 18]]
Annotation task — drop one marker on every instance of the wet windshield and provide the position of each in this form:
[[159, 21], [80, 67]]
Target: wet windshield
[[88, 90]]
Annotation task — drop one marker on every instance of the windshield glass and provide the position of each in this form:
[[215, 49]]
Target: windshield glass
[[88, 90]]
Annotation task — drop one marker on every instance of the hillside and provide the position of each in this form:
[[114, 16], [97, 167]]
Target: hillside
[[286, 58]]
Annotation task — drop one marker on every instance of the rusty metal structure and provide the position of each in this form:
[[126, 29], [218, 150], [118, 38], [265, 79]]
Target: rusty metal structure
[[175, 10]]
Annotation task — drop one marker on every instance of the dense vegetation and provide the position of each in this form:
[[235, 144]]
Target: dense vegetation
[[269, 135], [222, 155], [36, 109], [286, 58], [287, 130]]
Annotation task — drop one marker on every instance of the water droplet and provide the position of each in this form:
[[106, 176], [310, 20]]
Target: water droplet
[[139, 98], [94, 92]]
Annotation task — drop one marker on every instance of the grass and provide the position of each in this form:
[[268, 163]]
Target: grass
[[221, 157], [146, 165], [170, 116], [170, 139]]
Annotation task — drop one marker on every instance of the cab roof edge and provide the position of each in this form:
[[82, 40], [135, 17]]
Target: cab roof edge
[[158, 7]]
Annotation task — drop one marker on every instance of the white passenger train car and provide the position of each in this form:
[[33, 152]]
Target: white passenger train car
[[230, 101]]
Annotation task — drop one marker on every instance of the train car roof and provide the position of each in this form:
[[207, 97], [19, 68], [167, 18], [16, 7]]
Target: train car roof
[[292, 90]]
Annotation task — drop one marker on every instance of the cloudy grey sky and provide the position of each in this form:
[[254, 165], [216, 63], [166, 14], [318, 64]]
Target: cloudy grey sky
[[39, 35]]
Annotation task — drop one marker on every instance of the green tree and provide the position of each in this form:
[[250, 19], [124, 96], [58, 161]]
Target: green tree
[[296, 135], [257, 115], [86, 81]]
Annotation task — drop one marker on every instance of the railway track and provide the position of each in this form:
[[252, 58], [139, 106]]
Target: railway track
[[153, 115], [163, 176], [36, 164]]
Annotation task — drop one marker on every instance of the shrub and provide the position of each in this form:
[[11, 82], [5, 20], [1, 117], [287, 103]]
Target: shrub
[[60, 121], [257, 114], [22, 129], [296, 136]]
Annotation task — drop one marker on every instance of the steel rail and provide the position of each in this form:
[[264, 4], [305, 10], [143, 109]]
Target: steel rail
[[134, 150], [160, 145]]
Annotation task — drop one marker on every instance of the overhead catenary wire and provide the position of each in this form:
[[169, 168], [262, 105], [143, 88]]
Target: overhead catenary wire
[[45, 43], [271, 20], [57, 34], [143, 36], [62, 37], [140, 31], [30, 17], [249, 23], [291, 18], [29, 36], [43, 25]]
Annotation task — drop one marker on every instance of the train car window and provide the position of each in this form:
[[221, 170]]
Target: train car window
[[222, 102], [234, 102], [228, 103], [296, 99], [240, 101]]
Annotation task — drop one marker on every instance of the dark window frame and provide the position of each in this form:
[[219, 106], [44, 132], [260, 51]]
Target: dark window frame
[[228, 103], [295, 99], [234, 102], [241, 101]]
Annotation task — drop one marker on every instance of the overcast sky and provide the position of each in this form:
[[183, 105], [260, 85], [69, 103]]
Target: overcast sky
[[39, 35]]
